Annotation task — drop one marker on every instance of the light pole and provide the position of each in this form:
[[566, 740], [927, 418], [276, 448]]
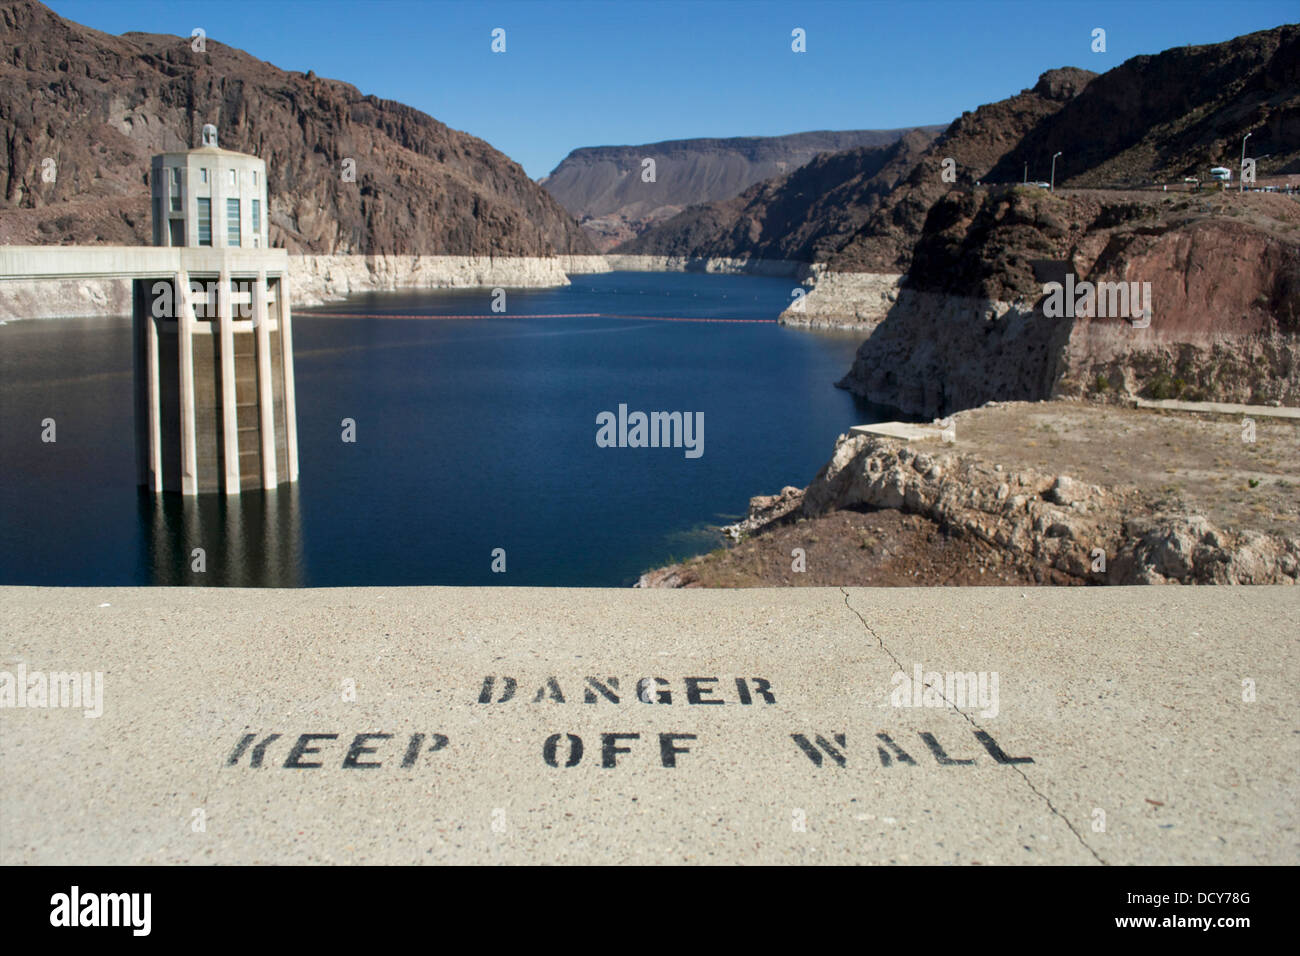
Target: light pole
[[1052, 185], [1242, 184]]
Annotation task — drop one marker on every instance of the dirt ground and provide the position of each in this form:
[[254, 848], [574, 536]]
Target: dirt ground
[[1178, 461], [879, 548], [1275, 213]]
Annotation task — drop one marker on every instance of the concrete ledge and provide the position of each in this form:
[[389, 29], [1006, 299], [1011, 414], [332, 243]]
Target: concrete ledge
[[904, 431], [23, 263], [785, 738]]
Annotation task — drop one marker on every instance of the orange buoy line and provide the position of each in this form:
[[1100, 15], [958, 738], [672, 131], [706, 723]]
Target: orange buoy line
[[385, 315], [673, 318], [551, 315]]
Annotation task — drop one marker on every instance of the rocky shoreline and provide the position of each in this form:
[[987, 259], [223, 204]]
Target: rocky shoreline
[[65, 299], [317, 279], [857, 301], [722, 266]]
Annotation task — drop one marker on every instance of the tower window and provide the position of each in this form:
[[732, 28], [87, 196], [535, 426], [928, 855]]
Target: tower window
[[203, 175], [232, 222], [205, 221], [257, 216], [233, 177]]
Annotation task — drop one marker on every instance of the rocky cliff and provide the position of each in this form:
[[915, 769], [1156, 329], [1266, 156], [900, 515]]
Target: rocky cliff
[[603, 185], [860, 210], [99, 106], [1160, 118], [1153, 118], [970, 323], [976, 142]]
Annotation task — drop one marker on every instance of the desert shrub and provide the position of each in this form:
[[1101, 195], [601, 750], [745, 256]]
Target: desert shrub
[[1160, 387]]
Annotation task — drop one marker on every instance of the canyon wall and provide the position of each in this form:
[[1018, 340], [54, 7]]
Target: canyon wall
[[1226, 316], [603, 187], [347, 173]]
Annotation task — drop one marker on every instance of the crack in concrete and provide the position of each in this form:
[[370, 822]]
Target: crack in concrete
[[974, 723]]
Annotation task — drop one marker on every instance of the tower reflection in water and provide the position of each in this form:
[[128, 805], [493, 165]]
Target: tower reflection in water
[[252, 540]]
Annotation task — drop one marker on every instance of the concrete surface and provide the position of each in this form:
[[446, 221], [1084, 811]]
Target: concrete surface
[[1222, 408], [1129, 702]]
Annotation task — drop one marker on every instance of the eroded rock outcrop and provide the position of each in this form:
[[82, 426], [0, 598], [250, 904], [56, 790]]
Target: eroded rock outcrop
[[844, 300], [1101, 535]]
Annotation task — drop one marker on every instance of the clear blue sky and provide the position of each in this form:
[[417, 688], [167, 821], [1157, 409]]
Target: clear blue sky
[[601, 73]]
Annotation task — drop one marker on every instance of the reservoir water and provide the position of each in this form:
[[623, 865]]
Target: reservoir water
[[472, 435]]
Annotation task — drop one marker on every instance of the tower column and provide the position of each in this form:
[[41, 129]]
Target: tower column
[[184, 329], [286, 364], [229, 401], [155, 391], [265, 395]]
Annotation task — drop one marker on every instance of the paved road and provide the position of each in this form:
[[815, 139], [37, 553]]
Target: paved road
[[1128, 701]]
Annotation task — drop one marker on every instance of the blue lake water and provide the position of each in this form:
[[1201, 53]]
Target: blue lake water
[[471, 435]]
